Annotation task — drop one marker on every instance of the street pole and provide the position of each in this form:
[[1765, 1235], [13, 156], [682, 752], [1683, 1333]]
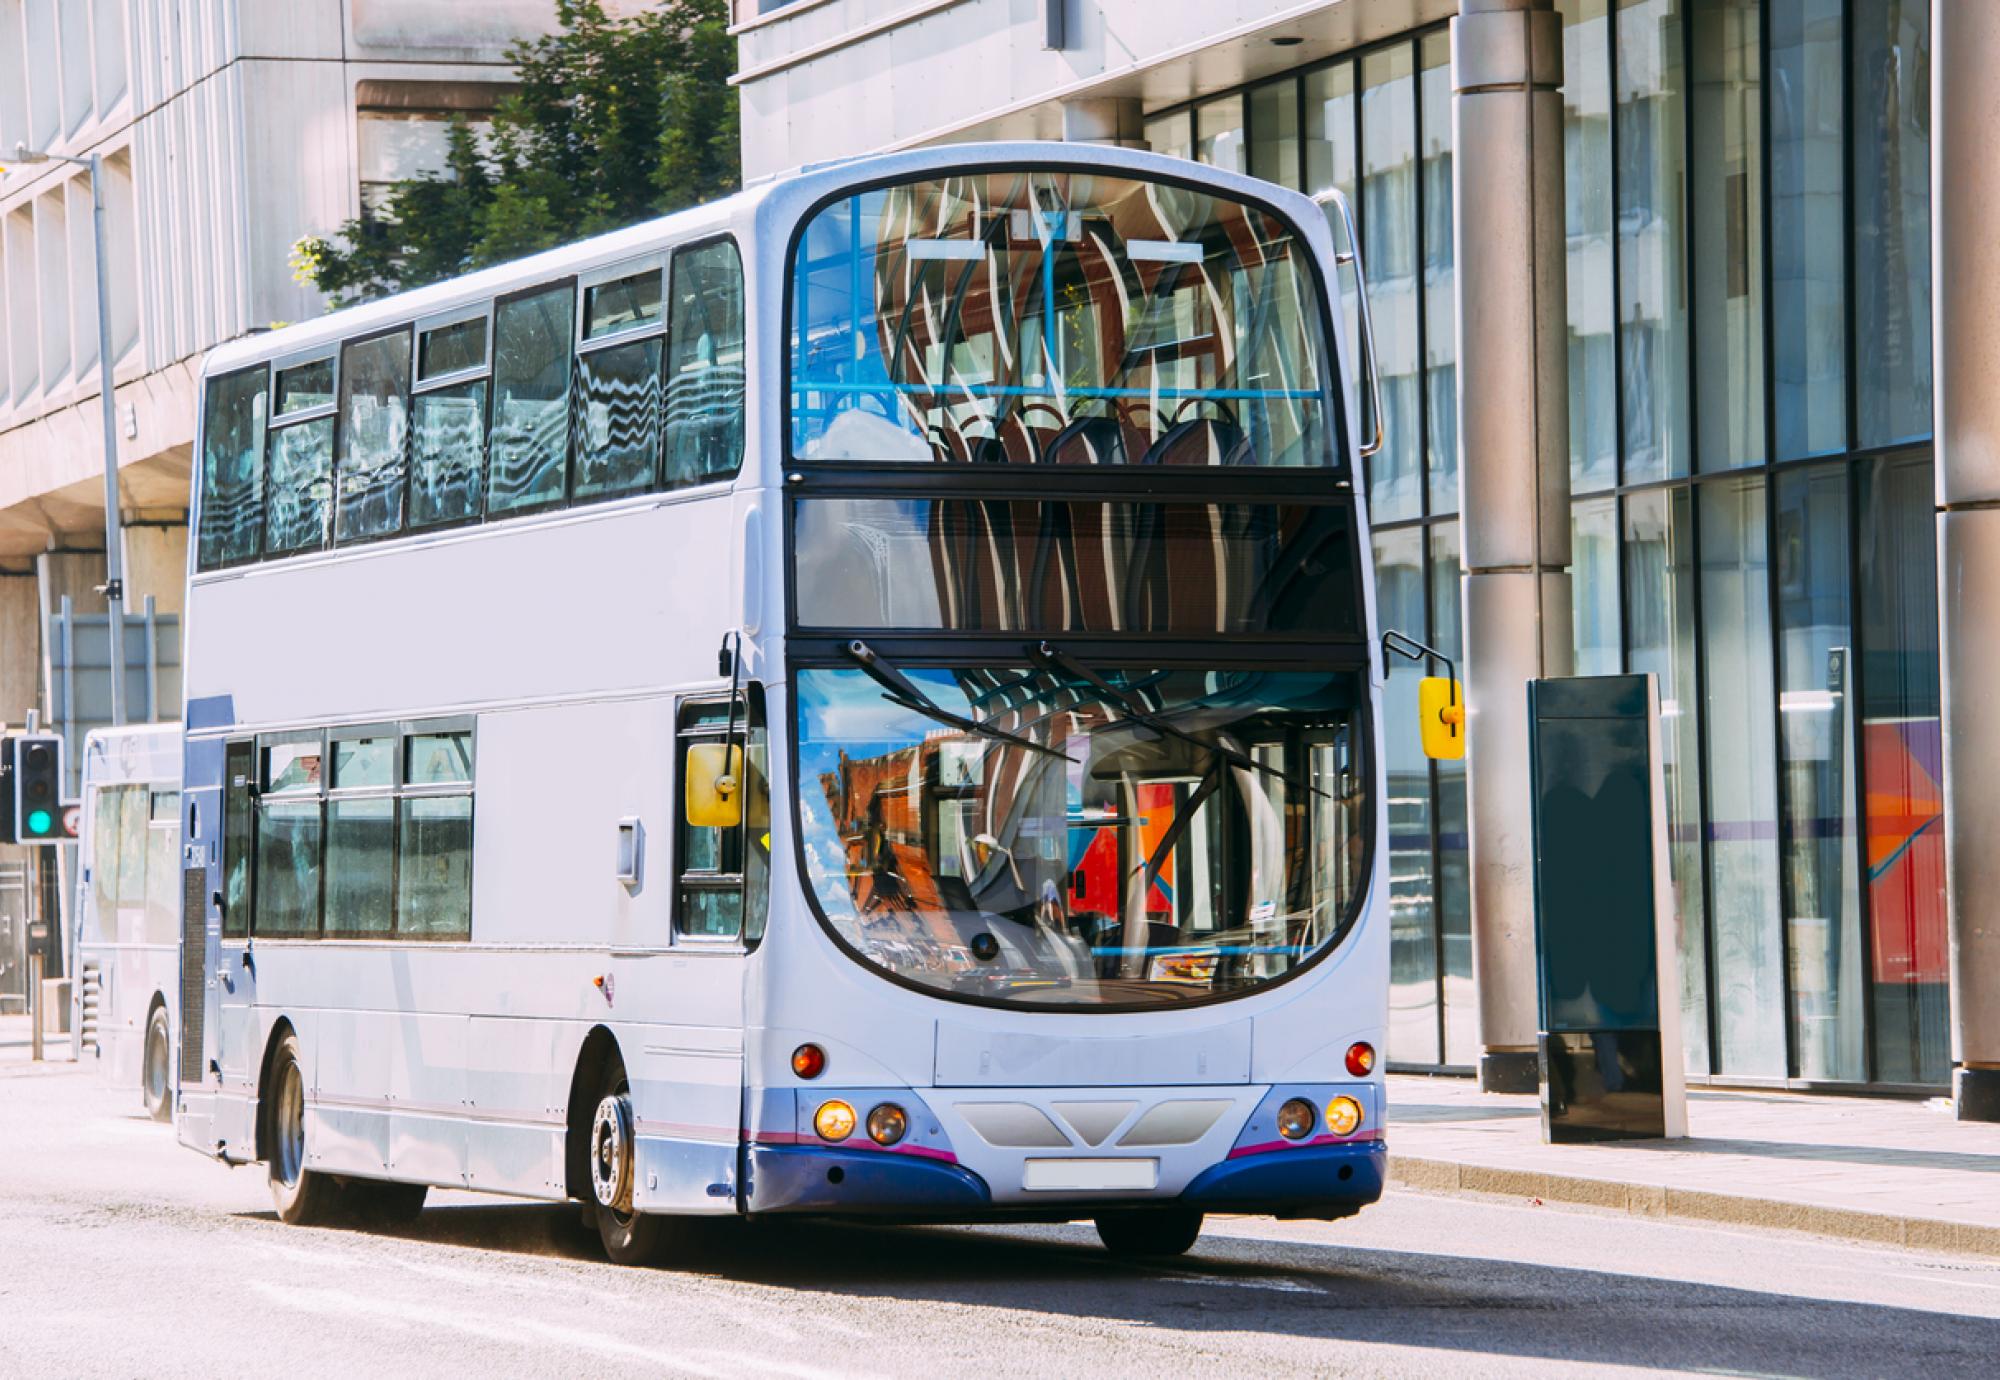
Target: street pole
[[114, 539]]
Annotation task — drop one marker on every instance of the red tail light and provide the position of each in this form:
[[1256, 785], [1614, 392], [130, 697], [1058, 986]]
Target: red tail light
[[1361, 1059]]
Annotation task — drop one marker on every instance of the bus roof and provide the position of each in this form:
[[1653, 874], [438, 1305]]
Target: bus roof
[[134, 752], [789, 196]]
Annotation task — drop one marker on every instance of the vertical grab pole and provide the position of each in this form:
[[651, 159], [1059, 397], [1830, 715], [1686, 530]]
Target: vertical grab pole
[[1370, 371]]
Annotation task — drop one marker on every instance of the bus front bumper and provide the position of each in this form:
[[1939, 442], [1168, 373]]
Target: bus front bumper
[[1321, 1181]]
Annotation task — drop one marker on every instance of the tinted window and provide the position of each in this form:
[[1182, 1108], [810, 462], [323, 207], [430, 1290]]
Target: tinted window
[[1056, 318], [448, 349], [374, 436], [531, 367], [617, 419], [448, 455], [434, 866], [163, 869], [232, 469], [632, 301], [360, 865], [439, 758], [304, 387], [363, 762], [1082, 566], [705, 365], [299, 504], [239, 830]]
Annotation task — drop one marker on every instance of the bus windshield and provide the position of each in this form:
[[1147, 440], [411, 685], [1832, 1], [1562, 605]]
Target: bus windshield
[[1058, 834], [1050, 317]]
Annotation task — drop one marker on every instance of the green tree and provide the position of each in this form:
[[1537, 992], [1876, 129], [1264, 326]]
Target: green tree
[[614, 121]]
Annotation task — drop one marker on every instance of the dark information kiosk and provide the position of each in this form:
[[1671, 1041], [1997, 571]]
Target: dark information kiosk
[[1610, 1045]]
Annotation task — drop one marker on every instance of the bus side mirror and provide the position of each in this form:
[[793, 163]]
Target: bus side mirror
[[1441, 712], [714, 785]]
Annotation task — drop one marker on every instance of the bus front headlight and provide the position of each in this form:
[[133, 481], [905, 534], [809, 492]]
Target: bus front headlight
[[1296, 1118], [834, 1120], [1343, 1116], [887, 1124]]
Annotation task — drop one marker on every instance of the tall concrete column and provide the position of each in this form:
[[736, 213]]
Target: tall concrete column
[[1513, 407], [1116, 120], [1965, 296], [20, 648]]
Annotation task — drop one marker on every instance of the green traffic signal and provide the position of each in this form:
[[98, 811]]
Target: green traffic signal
[[39, 821]]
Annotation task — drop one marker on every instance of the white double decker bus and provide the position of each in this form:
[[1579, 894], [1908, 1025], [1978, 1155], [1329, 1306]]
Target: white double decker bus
[[855, 700]]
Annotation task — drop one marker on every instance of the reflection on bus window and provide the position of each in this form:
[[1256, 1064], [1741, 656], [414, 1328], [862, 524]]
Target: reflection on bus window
[[374, 436], [232, 470], [531, 358], [705, 365], [1084, 566], [1051, 318], [1193, 834]]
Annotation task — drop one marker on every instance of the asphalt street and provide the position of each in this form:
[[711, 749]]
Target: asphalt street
[[122, 1254]]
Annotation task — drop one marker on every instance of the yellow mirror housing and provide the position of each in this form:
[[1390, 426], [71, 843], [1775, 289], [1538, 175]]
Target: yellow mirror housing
[[714, 785], [1441, 712]]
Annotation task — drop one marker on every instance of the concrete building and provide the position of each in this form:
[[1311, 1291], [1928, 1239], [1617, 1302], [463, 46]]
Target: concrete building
[[228, 128], [1653, 286]]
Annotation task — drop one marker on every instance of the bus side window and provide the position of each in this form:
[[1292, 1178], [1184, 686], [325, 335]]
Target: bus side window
[[705, 365], [107, 810], [163, 871], [239, 820]]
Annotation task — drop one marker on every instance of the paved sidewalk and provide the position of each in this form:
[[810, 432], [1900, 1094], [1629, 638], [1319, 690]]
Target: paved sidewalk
[[1875, 1169], [17, 1045]]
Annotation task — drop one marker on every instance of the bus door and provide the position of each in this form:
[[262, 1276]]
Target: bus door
[[234, 975], [218, 971]]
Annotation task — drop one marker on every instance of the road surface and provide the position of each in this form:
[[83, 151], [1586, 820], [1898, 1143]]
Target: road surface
[[122, 1254]]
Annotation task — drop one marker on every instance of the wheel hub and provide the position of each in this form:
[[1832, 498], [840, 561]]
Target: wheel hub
[[611, 1154]]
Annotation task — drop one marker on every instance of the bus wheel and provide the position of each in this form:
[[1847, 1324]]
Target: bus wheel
[[155, 1083], [630, 1238], [304, 1197], [1149, 1231]]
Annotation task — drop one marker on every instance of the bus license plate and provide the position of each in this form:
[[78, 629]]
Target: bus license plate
[[1089, 1175]]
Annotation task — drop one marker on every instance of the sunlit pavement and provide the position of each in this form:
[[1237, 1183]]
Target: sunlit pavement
[[123, 1254]]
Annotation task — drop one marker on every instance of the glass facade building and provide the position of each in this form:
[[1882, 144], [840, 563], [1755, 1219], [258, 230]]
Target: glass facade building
[[1748, 243]]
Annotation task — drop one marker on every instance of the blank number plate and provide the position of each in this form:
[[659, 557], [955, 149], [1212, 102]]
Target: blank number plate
[[1089, 1175]]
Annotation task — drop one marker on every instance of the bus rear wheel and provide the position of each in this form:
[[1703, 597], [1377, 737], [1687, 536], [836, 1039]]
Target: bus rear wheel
[[630, 1237], [155, 1084], [304, 1197], [1149, 1230]]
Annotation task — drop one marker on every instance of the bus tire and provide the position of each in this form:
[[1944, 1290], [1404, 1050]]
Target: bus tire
[[629, 1237], [156, 1082], [1149, 1230], [304, 1197]]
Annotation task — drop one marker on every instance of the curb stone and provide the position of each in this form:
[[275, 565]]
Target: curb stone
[[1654, 1200]]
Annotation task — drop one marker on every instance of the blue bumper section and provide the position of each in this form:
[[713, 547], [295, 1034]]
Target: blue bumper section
[[848, 1183], [1310, 1181]]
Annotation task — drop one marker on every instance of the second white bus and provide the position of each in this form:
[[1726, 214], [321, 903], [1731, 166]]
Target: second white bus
[[127, 912]]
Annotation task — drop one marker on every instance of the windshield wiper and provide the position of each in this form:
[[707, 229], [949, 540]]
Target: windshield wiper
[[1049, 655], [907, 694]]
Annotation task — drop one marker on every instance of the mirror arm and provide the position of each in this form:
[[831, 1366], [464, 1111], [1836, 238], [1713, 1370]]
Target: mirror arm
[[1412, 650], [732, 642]]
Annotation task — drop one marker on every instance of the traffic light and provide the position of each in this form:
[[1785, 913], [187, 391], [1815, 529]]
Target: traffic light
[[37, 779]]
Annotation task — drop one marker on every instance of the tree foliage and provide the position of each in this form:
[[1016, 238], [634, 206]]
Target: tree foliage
[[614, 121]]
